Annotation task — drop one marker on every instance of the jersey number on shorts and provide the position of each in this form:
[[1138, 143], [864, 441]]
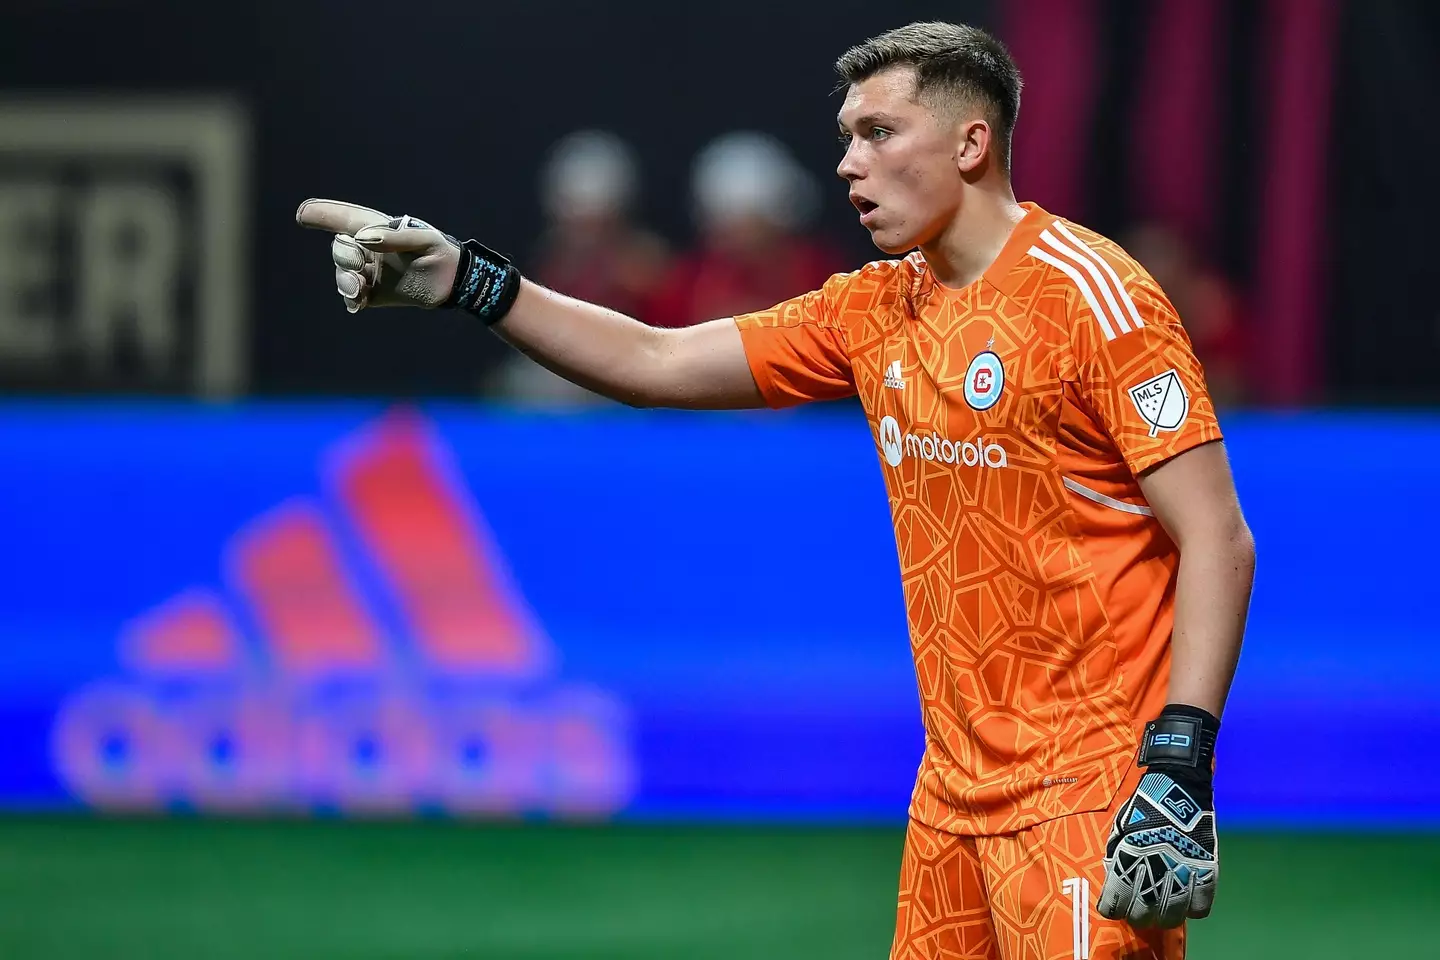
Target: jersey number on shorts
[[1079, 890]]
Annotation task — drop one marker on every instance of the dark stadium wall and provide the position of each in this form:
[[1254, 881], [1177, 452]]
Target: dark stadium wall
[[447, 112], [1383, 337]]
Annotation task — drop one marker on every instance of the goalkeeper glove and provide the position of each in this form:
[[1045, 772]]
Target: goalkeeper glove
[[1161, 861], [384, 261]]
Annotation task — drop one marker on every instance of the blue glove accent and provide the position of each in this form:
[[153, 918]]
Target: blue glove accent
[[1161, 861]]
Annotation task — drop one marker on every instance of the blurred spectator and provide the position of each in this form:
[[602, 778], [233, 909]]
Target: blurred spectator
[[1208, 304], [751, 202], [590, 248]]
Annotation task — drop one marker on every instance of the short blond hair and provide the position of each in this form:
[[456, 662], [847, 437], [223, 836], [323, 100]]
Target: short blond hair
[[954, 63]]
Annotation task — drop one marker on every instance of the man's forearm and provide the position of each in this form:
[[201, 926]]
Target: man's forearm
[[1212, 598], [600, 349], [698, 367]]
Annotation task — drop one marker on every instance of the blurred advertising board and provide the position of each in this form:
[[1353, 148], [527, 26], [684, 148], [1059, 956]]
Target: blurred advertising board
[[361, 610], [123, 245]]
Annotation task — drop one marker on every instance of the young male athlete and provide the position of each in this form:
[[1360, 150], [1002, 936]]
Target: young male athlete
[[1076, 567]]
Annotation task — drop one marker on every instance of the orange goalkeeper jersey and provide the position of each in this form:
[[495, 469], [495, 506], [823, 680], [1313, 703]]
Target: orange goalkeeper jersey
[[1012, 417]]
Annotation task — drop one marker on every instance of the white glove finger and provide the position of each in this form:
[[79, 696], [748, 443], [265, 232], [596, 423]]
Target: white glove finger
[[1172, 912], [352, 288], [1140, 914], [1115, 897], [402, 235], [337, 216], [1202, 898], [349, 283], [349, 255]]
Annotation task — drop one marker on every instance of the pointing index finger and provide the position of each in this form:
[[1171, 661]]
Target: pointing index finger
[[337, 216]]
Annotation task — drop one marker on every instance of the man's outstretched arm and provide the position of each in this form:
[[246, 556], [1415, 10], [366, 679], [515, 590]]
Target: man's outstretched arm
[[701, 367], [385, 261]]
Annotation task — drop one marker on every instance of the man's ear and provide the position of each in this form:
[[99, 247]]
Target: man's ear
[[974, 140]]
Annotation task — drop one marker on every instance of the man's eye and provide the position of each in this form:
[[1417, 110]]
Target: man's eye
[[879, 133], [844, 139]]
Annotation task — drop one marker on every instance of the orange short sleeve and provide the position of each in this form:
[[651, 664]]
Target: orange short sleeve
[[797, 350], [1139, 374]]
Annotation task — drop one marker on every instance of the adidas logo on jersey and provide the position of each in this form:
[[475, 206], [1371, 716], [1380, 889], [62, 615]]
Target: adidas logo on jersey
[[893, 379]]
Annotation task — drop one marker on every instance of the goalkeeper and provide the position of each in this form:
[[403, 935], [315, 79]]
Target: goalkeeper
[[1075, 564]]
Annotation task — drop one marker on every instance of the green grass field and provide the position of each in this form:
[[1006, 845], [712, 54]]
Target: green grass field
[[82, 888]]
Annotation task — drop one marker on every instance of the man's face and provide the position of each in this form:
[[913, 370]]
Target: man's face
[[900, 161]]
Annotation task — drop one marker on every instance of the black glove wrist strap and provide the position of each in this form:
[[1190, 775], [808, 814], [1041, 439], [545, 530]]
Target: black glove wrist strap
[[486, 284], [1181, 737]]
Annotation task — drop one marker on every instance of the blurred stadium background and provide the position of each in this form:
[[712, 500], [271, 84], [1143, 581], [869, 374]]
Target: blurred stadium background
[[331, 636]]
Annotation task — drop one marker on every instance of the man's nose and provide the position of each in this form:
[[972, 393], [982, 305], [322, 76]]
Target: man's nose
[[849, 167]]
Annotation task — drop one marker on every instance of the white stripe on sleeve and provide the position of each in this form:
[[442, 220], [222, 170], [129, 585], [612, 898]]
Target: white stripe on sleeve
[[1124, 506], [1069, 270], [1105, 265], [1116, 314]]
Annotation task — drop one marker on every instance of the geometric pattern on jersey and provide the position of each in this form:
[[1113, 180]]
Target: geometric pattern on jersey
[[1038, 586], [1014, 897]]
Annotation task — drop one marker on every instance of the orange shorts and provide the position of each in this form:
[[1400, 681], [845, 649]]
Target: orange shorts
[[1028, 895]]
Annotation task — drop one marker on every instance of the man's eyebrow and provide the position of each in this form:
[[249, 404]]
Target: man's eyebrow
[[871, 120]]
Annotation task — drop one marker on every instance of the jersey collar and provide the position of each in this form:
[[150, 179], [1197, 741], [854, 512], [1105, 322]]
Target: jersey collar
[[1021, 239]]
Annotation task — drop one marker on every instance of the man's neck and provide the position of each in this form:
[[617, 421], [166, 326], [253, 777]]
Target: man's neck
[[963, 253]]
